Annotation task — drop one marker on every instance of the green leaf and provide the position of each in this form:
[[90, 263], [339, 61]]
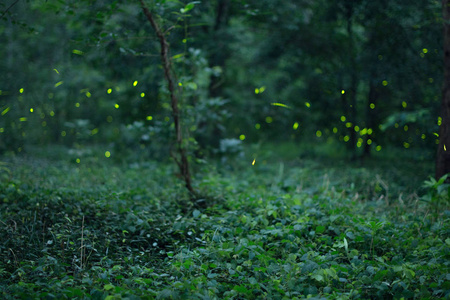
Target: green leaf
[[188, 7], [108, 287], [320, 229], [196, 213], [241, 289]]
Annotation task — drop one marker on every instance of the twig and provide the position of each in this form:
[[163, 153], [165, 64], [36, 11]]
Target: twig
[[82, 246], [4, 13]]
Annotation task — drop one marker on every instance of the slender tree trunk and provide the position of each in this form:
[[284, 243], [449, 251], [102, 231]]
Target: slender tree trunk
[[221, 52], [182, 160], [354, 80], [443, 153]]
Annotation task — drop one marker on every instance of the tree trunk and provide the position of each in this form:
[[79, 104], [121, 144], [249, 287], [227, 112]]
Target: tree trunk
[[182, 160], [443, 153]]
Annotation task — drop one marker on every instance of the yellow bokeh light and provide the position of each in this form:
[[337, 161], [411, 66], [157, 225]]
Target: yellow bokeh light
[[31, 110], [107, 154], [295, 126], [335, 130], [254, 161], [439, 121], [242, 137], [269, 120], [378, 148], [21, 91], [308, 104], [109, 91], [149, 118], [343, 118], [2, 130], [63, 133], [356, 128], [372, 105], [404, 104], [184, 41], [256, 91], [425, 50], [78, 160], [406, 145], [257, 126], [52, 113], [348, 124], [342, 92], [369, 131], [318, 133], [88, 95], [167, 119], [77, 104], [142, 95], [384, 83], [116, 105], [346, 138], [423, 136], [135, 83], [405, 128], [369, 142], [180, 84]]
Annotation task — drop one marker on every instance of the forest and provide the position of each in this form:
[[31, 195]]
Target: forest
[[224, 149]]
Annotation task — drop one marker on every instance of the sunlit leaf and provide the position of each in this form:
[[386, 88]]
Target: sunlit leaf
[[59, 83]]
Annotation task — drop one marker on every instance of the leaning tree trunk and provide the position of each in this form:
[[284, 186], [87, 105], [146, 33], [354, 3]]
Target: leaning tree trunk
[[443, 153], [181, 160]]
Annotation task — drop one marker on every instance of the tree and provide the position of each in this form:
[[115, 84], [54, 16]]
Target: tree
[[443, 154], [182, 160]]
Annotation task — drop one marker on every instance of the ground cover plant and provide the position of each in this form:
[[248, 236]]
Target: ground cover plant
[[296, 228]]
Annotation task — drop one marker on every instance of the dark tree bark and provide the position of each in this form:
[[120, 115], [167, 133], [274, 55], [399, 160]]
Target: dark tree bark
[[221, 53], [181, 160], [443, 153]]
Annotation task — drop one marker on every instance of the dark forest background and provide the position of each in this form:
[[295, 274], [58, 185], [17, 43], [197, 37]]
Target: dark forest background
[[351, 77]]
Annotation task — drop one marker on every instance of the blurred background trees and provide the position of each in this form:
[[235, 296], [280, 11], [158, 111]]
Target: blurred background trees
[[356, 75]]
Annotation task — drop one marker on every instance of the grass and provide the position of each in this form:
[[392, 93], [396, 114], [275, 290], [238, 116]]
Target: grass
[[306, 226]]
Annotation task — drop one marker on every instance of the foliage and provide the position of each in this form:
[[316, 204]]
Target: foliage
[[279, 229], [365, 75]]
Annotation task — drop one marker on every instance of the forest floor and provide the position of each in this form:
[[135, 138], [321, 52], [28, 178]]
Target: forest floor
[[283, 228]]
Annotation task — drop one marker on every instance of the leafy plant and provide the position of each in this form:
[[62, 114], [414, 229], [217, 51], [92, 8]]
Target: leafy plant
[[438, 193]]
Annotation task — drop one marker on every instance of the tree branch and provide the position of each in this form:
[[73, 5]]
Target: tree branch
[[4, 13]]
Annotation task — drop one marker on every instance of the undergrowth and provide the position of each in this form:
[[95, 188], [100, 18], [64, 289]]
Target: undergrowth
[[303, 228]]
